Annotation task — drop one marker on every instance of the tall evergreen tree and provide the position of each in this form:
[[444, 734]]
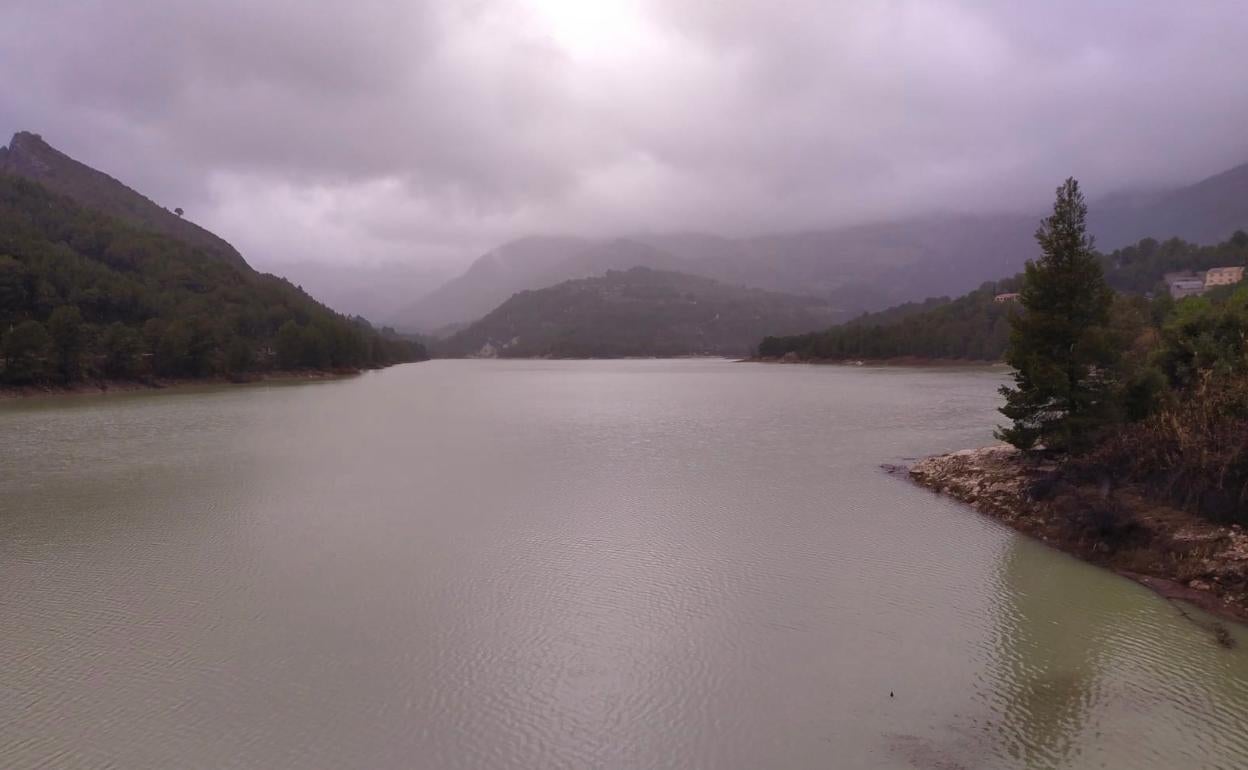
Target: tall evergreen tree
[[1060, 347]]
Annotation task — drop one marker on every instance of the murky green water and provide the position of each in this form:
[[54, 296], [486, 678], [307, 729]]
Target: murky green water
[[636, 564]]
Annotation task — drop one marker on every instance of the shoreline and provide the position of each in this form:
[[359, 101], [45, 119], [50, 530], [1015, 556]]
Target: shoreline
[[105, 387], [899, 361], [1176, 554]]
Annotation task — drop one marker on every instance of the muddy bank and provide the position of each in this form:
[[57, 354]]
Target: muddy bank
[[1173, 552], [97, 387]]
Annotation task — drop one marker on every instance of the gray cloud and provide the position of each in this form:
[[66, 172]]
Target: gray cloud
[[367, 130]]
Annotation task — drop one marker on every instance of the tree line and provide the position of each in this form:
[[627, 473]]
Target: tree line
[[975, 327], [1153, 393], [84, 296]]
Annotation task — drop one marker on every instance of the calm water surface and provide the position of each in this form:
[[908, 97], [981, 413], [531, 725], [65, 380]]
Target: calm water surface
[[637, 564]]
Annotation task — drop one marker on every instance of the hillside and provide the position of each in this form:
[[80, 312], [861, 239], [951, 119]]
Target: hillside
[[85, 296], [858, 268], [1201, 213], [529, 263], [867, 267], [30, 157], [975, 326], [636, 312]]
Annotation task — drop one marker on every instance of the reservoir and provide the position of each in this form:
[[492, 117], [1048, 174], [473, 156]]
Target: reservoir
[[557, 564]]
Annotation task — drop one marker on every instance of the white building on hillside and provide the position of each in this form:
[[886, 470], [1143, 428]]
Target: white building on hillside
[[1185, 284]]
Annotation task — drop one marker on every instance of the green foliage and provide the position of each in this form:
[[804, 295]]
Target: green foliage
[[1181, 385], [68, 337], [1160, 387], [1141, 267], [239, 356], [1203, 338], [637, 312], [121, 348], [1060, 345], [116, 301], [26, 349], [974, 327]]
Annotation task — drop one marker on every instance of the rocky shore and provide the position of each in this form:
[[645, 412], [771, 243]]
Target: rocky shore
[[1173, 552]]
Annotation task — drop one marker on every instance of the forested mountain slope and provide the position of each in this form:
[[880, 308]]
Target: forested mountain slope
[[637, 312], [85, 295], [29, 156], [976, 326]]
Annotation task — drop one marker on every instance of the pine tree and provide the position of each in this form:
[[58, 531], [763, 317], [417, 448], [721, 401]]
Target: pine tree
[[1060, 347]]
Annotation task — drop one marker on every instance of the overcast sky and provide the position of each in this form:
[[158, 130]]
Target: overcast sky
[[365, 130]]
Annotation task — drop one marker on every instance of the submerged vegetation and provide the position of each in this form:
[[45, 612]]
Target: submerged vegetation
[[85, 296]]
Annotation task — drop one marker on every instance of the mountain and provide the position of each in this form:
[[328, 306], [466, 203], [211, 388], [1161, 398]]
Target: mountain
[[374, 291], [30, 157], [875, 265], [871, 266], [858, 268], [1205, 212], [86, 294], [636, 312], [528, 263], [975, 326]]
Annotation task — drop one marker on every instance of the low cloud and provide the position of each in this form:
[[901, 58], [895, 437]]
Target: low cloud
[[371, 131]]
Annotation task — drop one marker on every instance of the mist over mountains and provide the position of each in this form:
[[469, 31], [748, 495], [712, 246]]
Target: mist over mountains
[[637, 312], [859, 268], [848, 270]]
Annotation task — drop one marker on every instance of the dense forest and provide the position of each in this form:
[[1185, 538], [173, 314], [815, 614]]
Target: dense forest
[[975, 327], [637, 312], [85, 296]]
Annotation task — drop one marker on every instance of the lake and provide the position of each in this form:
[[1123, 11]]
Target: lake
[[542, 564]]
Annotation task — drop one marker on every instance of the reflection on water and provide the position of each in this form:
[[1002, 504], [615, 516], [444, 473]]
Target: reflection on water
[[564, 564], [1094, 678], [1046, 673]]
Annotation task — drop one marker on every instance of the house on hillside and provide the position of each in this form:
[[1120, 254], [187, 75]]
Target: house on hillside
[[1223, 276], [1007, 297], [1185, 284]]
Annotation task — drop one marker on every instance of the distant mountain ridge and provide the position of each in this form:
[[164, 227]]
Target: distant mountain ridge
[[30, 157], [975, 326], [527, 263], [1206, 212], [636, 312], [857, 268]]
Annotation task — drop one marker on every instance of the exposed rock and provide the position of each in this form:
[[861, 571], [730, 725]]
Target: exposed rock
[[993, 479]]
